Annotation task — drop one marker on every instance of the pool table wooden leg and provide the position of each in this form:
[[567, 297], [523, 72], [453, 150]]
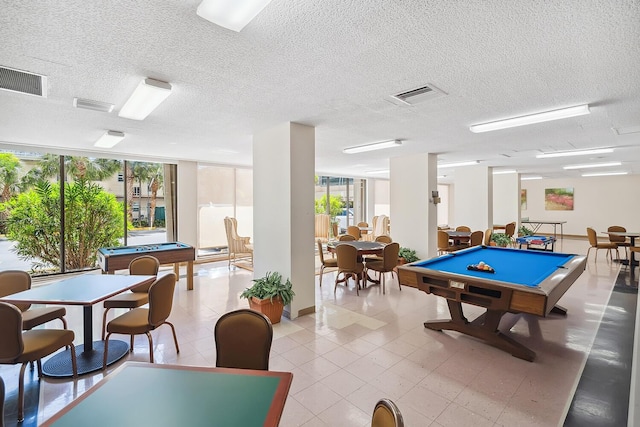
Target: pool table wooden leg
[[484, 327]]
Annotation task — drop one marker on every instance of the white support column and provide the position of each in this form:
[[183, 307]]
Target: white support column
[[187, 202], [506, 199], [283, 203], [414, 217], [474, 197]]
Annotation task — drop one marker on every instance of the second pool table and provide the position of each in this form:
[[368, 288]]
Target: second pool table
[[522, 282]]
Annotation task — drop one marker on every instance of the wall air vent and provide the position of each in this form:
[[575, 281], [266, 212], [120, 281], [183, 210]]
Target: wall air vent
[[89, 104], [415, 96], [23, 82]]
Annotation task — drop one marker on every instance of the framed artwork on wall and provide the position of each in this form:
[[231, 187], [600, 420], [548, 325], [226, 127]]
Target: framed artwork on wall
[[558, 199], [523, 200]]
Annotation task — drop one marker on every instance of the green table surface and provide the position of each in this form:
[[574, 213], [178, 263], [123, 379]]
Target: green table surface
[[139, 394]]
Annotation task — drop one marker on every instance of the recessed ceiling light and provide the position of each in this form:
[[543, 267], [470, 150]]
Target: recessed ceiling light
[[373, 146], [545, 116], [453, 165], [575, 153], [109, 139], [604, 173], [592, 165]]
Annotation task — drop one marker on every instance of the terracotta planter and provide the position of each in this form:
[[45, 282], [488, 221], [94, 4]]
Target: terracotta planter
[[272, 310]]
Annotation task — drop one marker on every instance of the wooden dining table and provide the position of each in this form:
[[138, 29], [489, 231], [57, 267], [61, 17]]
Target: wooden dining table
[[364, 248], [159, 395], [459, 237]]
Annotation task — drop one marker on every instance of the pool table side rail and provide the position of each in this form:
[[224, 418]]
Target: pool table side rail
[[492, 294], [120, 261]]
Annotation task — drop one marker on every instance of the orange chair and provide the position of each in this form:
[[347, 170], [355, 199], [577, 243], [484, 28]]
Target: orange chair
[[593, 241], [348, 266], [326, 263], [354, 231]]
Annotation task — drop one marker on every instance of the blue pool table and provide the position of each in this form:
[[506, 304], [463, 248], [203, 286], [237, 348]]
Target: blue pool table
[[529, 282], [118, 257], [539, 243]]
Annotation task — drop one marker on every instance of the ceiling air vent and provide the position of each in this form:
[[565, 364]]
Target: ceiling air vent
[[89, 104], [23, 82], [415, 96]]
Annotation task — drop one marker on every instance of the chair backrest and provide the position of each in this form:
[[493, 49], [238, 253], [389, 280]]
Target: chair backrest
[[386, 414], [145, 265], [383, 239], [510, 229], [320, 252], [617, 239], [346, 238], [347, 257], [14, 281], [593, 238], [390, 255], [463, 228], [476, 238], [322, 222], [443, 239], [161, 299], [381, 225], [243, 340], [11, 344], [364, 225], [354, 231], [487, 236]]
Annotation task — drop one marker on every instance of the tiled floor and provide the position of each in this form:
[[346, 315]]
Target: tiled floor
[[355, 350]]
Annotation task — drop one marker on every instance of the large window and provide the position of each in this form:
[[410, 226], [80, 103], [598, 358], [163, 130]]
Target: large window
[[99, 209], [346, 201]]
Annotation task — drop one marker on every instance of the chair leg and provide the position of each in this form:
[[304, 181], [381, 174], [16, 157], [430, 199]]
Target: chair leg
[[150, 347], [175, 338], [106, 351], [131, 343], [588, 250], [74, 362], [383, 280], [397, 278], [104, 322], [21, 393], [321, 273]]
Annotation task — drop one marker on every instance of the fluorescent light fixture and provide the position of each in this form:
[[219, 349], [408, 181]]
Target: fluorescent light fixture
[[374, 146], [530, 178], [453, 165], [147, 96], [575, 153], [592, 165], [605, 173], [505, 172], [109, 139], [545, 116], [231, 14], [379, 171]]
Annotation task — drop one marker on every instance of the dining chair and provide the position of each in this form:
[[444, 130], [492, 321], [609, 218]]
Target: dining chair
[[239, 247], [348, 266], [593, 241], [145, 265], [243, 340], [387, 265], [354, 231], [143, 320], [346, 238], [476, 238], [380, 239], [2, 402], [510, 230], [18, 346], [364, 225], [620, 240], [487, 236], [443, 243], [386, 414], [326, 263], [14, 281], [463, 228]]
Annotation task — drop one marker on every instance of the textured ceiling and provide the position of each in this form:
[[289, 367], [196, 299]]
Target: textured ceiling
[[331, 64]]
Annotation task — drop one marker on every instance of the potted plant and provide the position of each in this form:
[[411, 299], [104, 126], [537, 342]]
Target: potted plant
[[269, 294], [407, 255], [524, 231], [500, 239]]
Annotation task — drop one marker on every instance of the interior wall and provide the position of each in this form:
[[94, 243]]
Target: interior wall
[[598, 203], [187, 202], [506, 198]]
